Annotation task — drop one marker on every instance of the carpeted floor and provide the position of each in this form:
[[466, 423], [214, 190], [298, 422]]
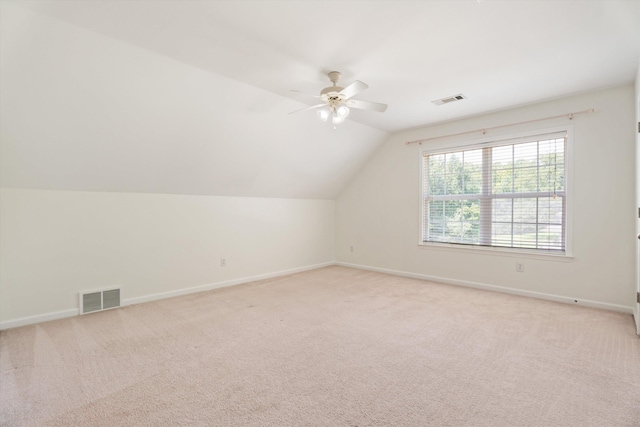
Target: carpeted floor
[[329, 347]]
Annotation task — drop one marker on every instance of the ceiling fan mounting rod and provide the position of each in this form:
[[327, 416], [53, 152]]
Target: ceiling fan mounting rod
[[334, 76], [332, 91]]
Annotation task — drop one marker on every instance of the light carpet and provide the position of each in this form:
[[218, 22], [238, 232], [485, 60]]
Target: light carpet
[[330, 347]]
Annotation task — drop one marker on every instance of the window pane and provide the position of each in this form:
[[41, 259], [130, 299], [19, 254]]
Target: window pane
[[550, 236], [551, 165], [473, 183], [452, 209], [524, 235], [436, 175], [502, 210], [525, 210], [502, 157], [548, 178], [436, 230], [502, 181], [436, 210], [473, 157], [472, 232], [471, 210], [501, 234], [552, 178], [547, 158], [525, 154], [560, 177], [454, 221], [471, 221], [525, 180], [454, 173], [525, 216], [550, 210], [473, 172], [453, 232]]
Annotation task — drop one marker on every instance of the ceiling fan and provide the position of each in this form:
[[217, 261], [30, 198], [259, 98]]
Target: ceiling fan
[[336, 100]]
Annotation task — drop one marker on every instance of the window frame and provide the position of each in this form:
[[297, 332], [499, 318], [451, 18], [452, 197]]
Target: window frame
[[438, 147]]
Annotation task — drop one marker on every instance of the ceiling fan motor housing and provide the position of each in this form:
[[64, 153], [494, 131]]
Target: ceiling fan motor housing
[[331, 94], [333, 98], [330, 91]]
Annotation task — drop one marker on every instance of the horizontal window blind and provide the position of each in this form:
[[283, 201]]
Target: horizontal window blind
[[498, 194]]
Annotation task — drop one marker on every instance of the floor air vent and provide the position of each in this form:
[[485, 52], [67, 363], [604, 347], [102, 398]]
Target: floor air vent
[[91, 301]]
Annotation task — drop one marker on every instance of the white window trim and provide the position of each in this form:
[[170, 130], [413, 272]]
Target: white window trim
[[497, 250]]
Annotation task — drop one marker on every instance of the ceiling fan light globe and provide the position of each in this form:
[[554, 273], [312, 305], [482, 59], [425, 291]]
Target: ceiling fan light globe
[[336, 120], [342, 111], [323, 114]]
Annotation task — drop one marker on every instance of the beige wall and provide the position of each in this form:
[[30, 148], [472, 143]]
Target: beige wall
[[56, 243], [378, 212]]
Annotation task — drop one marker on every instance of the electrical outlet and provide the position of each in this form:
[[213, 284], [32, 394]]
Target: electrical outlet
[[223, 262], [519, 267]]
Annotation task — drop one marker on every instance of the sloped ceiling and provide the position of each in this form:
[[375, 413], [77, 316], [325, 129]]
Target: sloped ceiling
[[82, 111], [191, 97]]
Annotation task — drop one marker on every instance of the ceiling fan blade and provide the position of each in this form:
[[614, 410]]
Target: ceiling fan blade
[[353, 89], [366, 105], [308, 108], [304, 93]]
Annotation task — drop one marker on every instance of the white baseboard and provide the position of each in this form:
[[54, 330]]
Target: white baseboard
[[224, 284], [636, 314], [513, 291], [29, 320]]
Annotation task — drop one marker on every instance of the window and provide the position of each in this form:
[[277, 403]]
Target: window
[[500, 194]]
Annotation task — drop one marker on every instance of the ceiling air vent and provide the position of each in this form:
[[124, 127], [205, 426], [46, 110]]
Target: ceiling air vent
[[448, 99], [91, 301]]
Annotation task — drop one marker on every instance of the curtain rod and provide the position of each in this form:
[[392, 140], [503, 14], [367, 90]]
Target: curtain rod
[[484, 131]]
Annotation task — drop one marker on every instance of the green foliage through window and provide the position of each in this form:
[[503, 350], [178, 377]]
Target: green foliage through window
[[504, 195]]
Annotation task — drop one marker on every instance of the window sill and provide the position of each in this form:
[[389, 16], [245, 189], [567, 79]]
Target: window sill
[[497, 251]]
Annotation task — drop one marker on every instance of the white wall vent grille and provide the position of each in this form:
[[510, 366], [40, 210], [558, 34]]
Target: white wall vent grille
[[448, 99], [91, 301]]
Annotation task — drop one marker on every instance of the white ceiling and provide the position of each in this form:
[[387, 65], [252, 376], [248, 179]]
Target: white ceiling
[[191, 97], [497, 53]]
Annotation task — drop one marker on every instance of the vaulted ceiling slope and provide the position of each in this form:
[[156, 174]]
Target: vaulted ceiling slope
[[82, 111], [192, 96]]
